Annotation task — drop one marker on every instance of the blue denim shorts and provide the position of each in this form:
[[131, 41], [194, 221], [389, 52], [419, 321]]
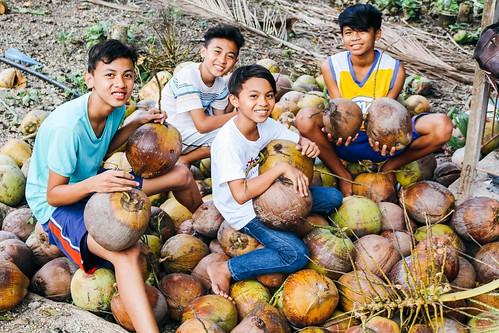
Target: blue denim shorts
[[360, 149]]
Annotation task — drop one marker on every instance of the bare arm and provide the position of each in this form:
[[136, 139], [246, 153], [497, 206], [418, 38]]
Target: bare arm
[[243, 190], [60, 193], [228, 109], [331, 85], [399, 83], [205, 124]]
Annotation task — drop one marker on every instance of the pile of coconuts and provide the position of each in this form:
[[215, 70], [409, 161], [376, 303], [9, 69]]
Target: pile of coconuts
[[387, 260]]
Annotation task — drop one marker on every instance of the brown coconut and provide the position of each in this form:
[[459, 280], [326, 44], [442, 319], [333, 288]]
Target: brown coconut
[[402, 241], [392, 216], [53, 280], [181, 253], [282, 107], [293, 96], [444, 255], [389, 123], [477, 219], [375, 186], [264, 318], [283, 84], [180, 290], [234, 242], [247, 294], [213, 307], [18, 149], [20, 222], [281, 208], [375, 254], [342, 118], [14, 285], [308, 298], [32, 121], [486, 264], [428, 202], [43, 251], [466, 277], [20, 254], [199, 325], [417, 104], [278, 151], [207, 219], [153, 149], [117, 220]]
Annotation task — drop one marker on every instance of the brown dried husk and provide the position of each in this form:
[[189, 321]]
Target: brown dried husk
[[20, 254], [53, 280], [199, 325], [282, 107], [281, 208], [200, 272], [264, 318], [156, 299], [117, 220], [278, 151], [213, 307], [207, 219], [389, 123], [153, 149], [443, 253], [180, 290], [477, 219], [340, 322], [428, 202], [181, 253], [283, 85], [14, 285], [466, 277], [234, 242], [375, 254], [247, 294], [308, 298], [486, 264], [342, 118], [392, 216], [401, 240], [310, 223], [39, 243], [375, 186], [19, 222], [272, 280], [330, 254]]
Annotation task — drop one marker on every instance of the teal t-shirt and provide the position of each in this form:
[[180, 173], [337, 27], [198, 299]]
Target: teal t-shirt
[[67, 145]]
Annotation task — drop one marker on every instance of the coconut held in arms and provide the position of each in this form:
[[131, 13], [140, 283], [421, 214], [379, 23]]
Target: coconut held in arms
[[153, 149], [389, 123], [342, 118]]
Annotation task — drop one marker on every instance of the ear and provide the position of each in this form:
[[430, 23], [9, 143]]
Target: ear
[[89, 80], [202, 52], [377, 35], [234, 100]]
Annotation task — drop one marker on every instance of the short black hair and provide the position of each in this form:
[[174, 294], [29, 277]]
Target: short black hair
[[244, 73], [224, 31], [360, 18], [109, 50]]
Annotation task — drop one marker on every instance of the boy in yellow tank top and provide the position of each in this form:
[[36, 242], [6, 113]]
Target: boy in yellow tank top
[[361, 74]]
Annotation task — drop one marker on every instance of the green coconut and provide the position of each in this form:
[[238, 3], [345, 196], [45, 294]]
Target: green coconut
[[358, 215], [12, 185]]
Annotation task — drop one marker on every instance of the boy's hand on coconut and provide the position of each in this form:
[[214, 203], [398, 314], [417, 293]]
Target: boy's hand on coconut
[[348, 141], [143, 116], [383, 150], [308, 148], [298, 178], [113, 181]]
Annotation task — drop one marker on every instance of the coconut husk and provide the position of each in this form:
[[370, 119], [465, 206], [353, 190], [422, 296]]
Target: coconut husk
[[11, 78]]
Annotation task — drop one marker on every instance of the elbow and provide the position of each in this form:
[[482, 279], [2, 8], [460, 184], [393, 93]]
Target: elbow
[[240, 199]]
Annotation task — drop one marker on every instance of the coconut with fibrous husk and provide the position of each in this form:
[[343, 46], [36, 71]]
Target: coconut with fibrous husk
[[176, 211], [293, 96], [389, 123], [234, 242], [32, 121], [392, 216], [486, 264], [152, 89], [180, 290], [313, 99], [340, 321], [39, 243], [443, 254], [278, 151], [282, 107], [12, 185], [14, 285], [283, 85], [199, 325], [375, 186], [247, 294], [408, 174], [417, 104], [20, 254], [20, 222], [117, 161], [375, 254], [117, 220], [156, 299], [428, 202], [213, 307], [480, 303], [153, 149], [466, 277], [486, 322], [342, 118], [160, 224], [181, 253], [477, 219], [312, 220], [382, 325], [200, 272], [359, 215], [53, 280], [270, 64], [7, 235], [272, 280], [490, 140], [94, 291], [288, 119], [308, 298], [11, 78], [264, 318], [401, 240], [447, 173], [330, 254], [280, 207], [305, 83], [207, 219], [18, 149]]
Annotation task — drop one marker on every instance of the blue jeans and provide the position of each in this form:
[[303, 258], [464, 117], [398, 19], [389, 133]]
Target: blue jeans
[[284, 251]]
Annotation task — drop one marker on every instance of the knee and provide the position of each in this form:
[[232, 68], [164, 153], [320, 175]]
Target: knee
[[183, 175], [444, 130], [304, 123], [300, 259]]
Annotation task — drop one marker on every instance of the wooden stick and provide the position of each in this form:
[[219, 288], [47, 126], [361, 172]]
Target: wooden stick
[[488, 171], [115, 6]]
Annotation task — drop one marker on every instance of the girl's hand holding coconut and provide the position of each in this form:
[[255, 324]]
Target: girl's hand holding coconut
[[300, 181], [308, 148], [113, 181]]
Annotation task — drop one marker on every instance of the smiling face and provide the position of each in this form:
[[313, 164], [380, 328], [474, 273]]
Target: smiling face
[[359, 42], [111, 84], [255, 100], [219, 56]]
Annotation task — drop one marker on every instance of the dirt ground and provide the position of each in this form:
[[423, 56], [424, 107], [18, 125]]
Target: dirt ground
[[56, 33]]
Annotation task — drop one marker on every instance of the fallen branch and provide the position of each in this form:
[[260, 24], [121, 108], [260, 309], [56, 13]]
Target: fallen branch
[[115, 6]]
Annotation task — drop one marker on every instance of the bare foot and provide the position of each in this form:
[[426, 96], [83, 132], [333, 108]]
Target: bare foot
[[219, 275]]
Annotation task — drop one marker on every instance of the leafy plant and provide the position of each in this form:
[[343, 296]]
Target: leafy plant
[[460, 120], [96, 33], [77, 81], [450, 7]]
